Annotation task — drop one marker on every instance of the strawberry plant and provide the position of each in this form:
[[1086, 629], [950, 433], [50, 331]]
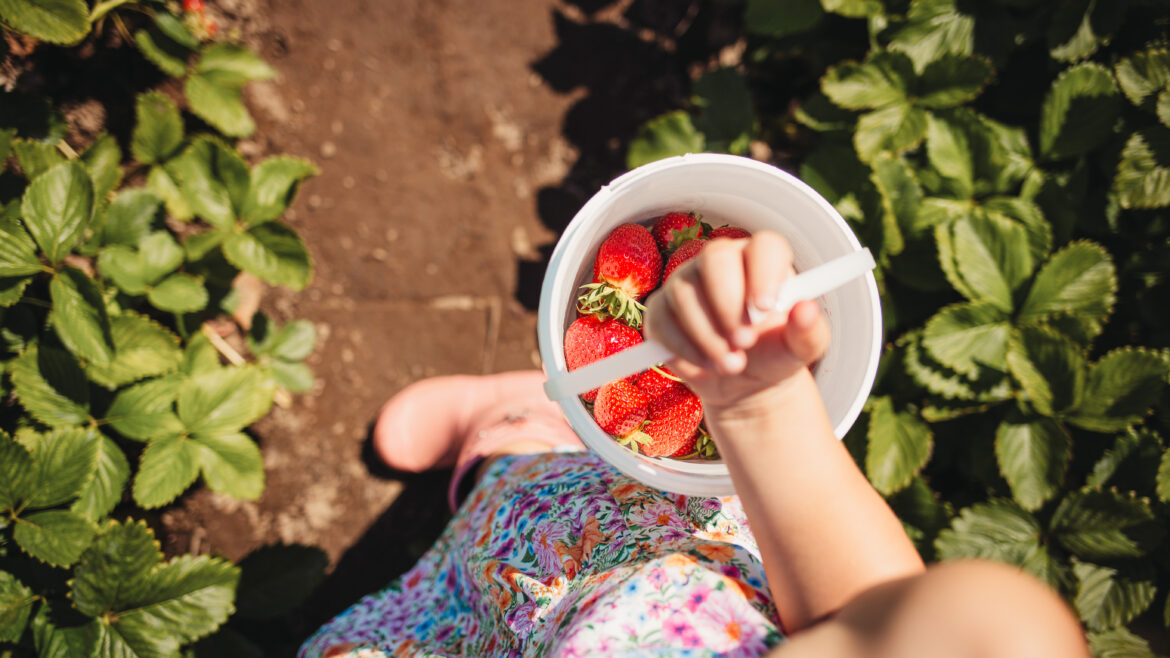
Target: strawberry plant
[[1008, 163], [113, 265]]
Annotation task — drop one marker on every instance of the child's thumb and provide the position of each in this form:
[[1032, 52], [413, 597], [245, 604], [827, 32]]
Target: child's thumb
[[807, 333]]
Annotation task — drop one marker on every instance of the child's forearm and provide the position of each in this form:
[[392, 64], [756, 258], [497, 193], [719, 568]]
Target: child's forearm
[[824, 534]]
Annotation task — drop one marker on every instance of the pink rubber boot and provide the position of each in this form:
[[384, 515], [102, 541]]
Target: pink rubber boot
[[459, 420]]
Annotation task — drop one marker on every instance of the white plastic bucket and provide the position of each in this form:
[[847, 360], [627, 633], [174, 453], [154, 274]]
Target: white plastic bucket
[[724, 189]]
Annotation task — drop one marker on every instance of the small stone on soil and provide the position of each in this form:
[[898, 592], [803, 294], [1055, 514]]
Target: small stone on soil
[[328, 149]]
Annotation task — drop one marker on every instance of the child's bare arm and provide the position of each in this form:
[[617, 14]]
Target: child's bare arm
[[824, 534]]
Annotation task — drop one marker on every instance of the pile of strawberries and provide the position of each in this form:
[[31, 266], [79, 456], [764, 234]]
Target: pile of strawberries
[[653, 412]]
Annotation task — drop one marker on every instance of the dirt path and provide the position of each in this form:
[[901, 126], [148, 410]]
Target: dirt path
[[456, 139]]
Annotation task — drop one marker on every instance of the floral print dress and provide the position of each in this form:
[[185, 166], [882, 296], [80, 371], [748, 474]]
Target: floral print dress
[[558, 554]]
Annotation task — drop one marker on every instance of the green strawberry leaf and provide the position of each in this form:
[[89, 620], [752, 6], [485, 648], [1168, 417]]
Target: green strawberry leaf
[[1106, 599], [997, 530], [143, 348], [160, 181], [725, 114], [36, 157], [114, 573], [275, 579], [51, 386], [56, 537], [175, 29], [1033, 455], [1078, 279], [854, 8], [899, 446], [79, 316], [1143, 175], [130, 217], [231, 464], [934, 28], [146, 605], [780, 18], [1105, 524], [167, 43], [160, 255], [103, 159], [1119, 643], [147, 410], [921, 508], [664, 136], [56, 21], [233, 65], [57, 207], [1079, 27], [18, 253], [1049, 368], [948, 148], [990, 386], [272, 252], [1026, 214], [179, 293], [900, 197], [104, 490], [991, 257], [158, 131], [168, 466], [63, 463], [1122, 387], [894, 129], [953, 80], [1144, 75], [16, 603], [273, 185], [223, 400], [219, 105], [1134, 454], [1079, 111], [12, 290], [200, 356], [214, 180], [199, 245], [16, 473], [188, 598], [123, 266], [966, 336], [883, 79], [292, 376], [292, 342]]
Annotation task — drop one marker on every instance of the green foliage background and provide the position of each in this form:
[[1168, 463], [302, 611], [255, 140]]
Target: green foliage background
[[115, 397], [1008, 163]]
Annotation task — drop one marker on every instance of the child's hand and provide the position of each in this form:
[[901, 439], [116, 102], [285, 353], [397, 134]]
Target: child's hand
[[700, 315]]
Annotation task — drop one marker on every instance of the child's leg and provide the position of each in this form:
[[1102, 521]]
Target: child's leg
[[959, 609]]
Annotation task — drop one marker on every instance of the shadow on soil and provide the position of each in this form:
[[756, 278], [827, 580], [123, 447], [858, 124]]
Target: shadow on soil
[[632, 70]]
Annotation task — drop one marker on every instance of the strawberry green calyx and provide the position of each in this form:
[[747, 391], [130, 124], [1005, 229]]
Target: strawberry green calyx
[[669, 375], [635, 440], [604, 300]]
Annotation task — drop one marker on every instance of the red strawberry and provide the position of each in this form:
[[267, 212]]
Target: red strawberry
[[675, 228], [627, 268], [591, 338], [671, 423], [193, 5], [657, 381], [620, 407], [728, 232], [685, 252]]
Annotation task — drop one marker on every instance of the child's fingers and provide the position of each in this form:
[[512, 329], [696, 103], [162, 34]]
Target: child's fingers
[[807, 334], [721, 276], [768, 262], [662, 326], [693, 313]]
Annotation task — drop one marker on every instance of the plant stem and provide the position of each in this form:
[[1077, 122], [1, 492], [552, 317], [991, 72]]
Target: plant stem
[[222, 347], [67, 150]]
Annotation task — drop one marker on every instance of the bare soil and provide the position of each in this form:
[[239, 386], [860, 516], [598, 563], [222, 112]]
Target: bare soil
[[456, 140]]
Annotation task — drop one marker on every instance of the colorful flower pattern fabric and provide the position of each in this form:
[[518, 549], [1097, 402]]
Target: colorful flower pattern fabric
[[560, 555]]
